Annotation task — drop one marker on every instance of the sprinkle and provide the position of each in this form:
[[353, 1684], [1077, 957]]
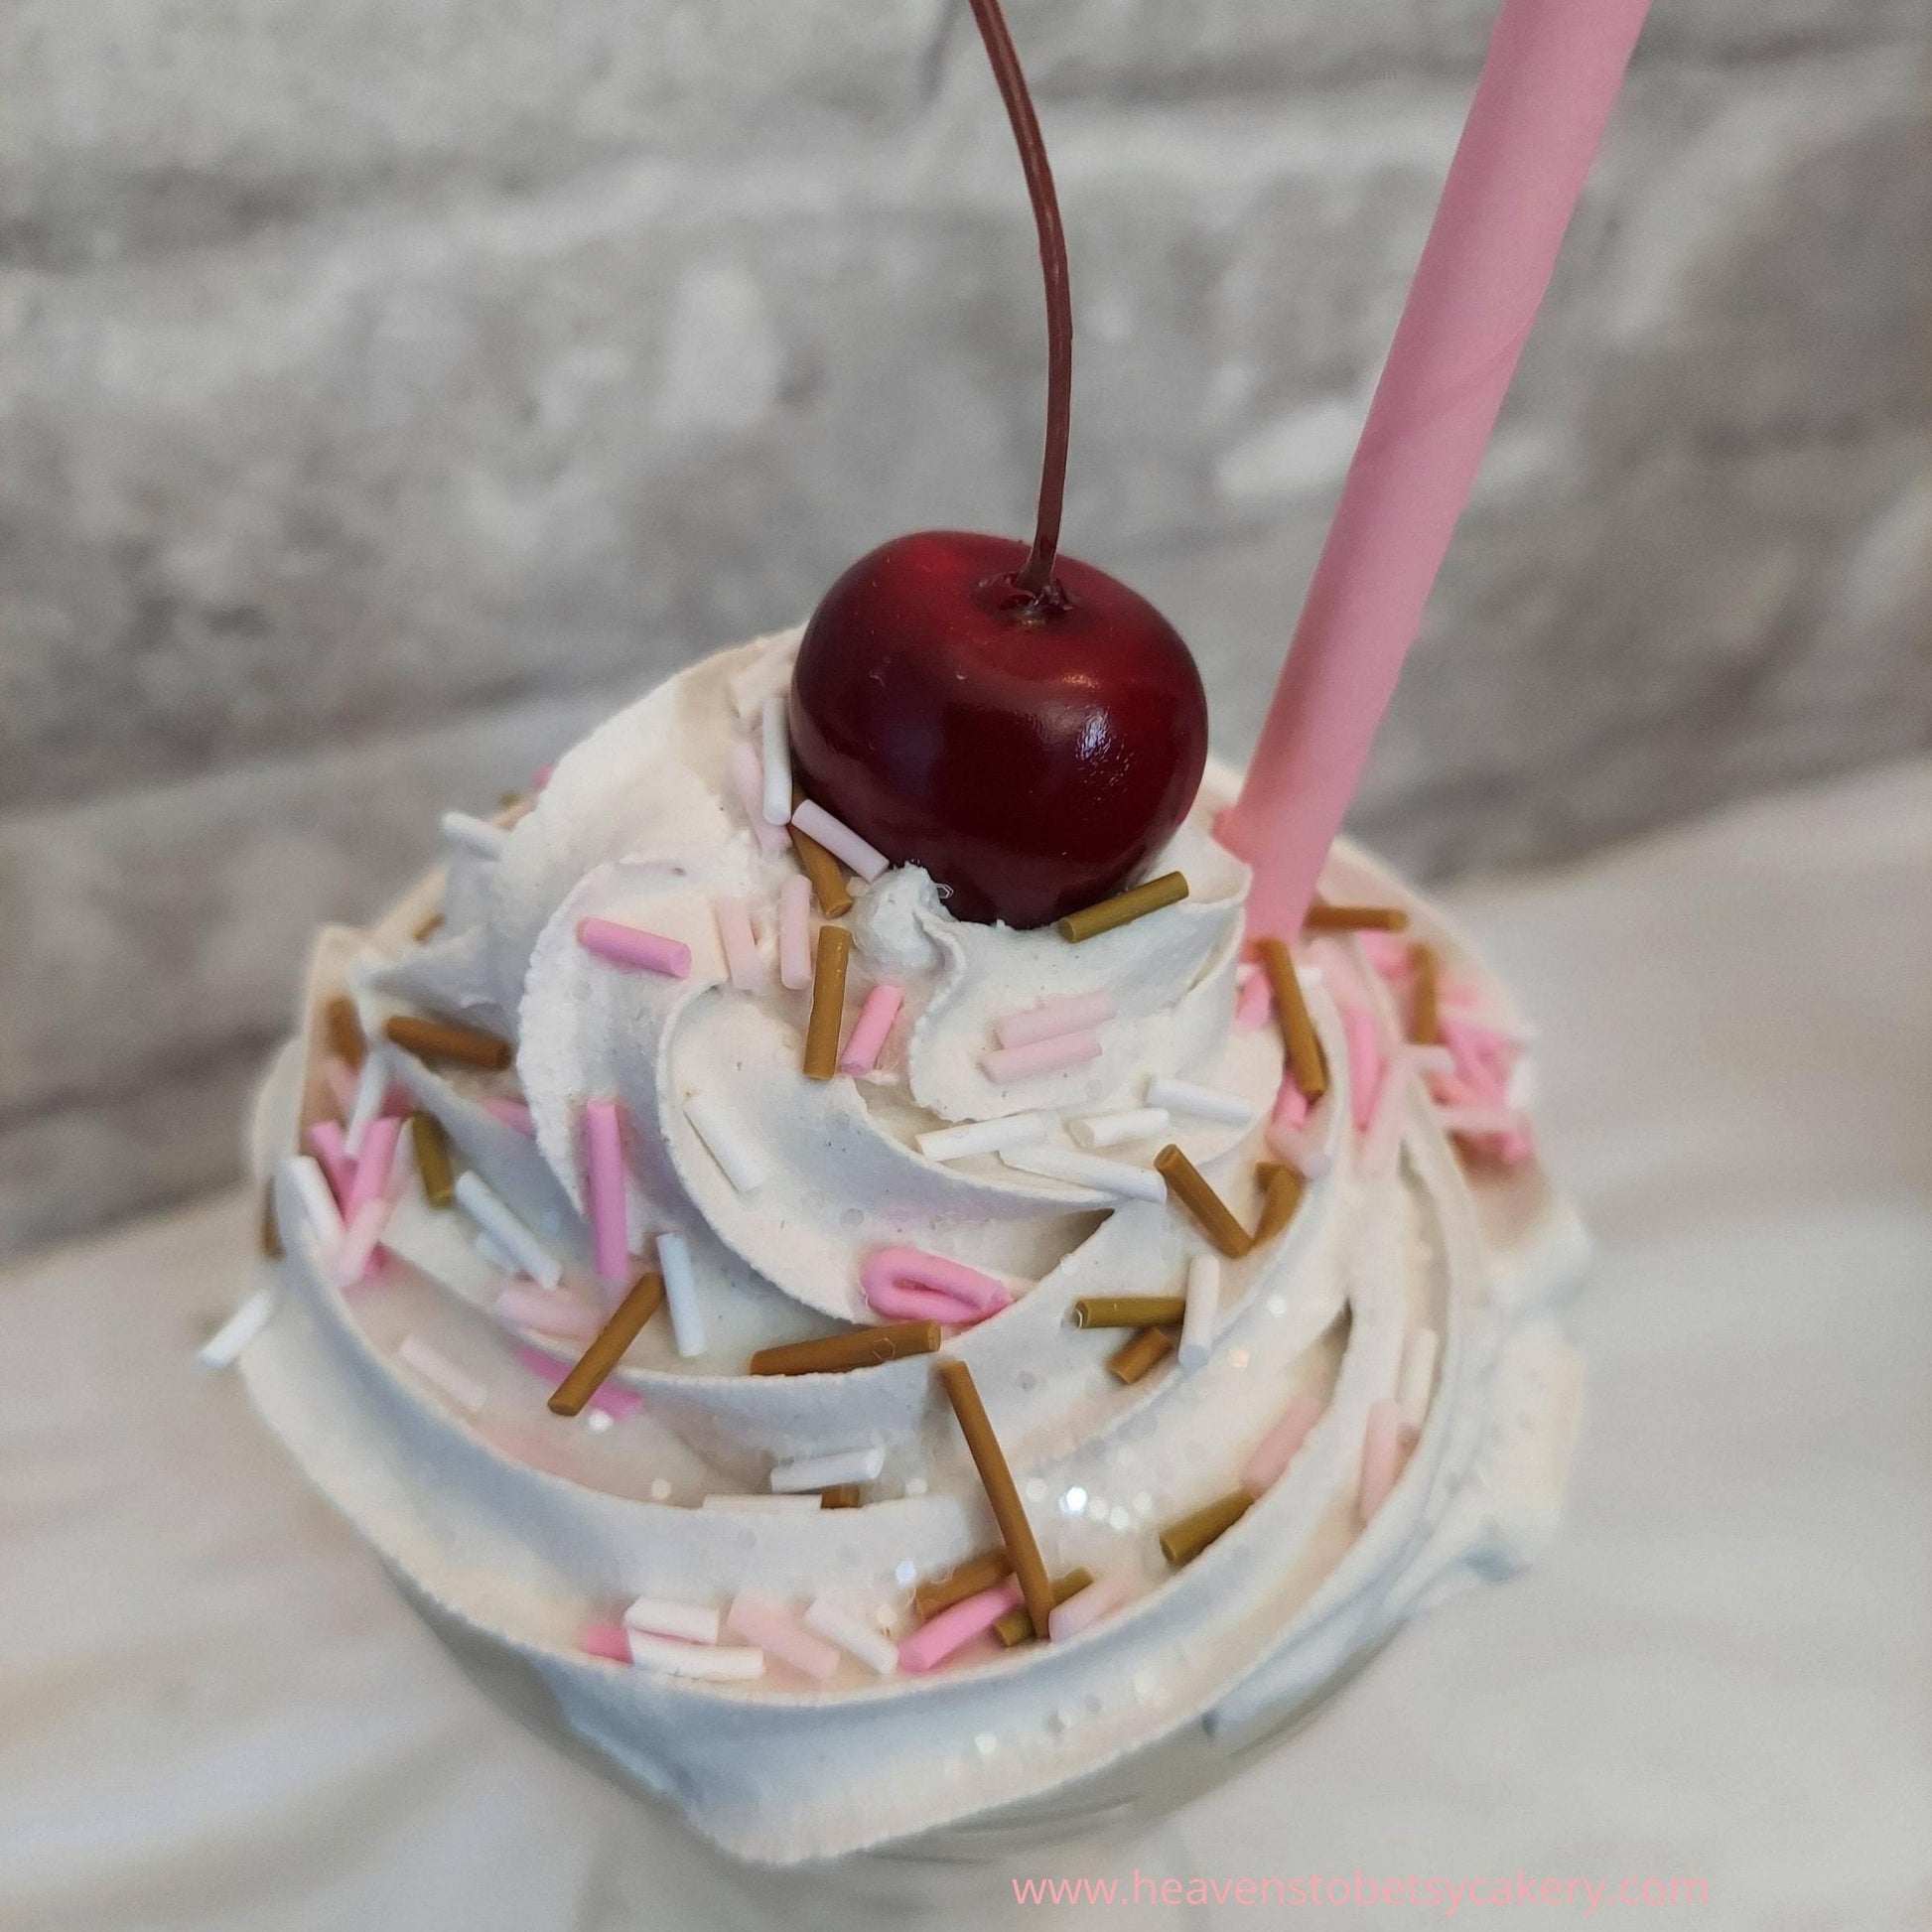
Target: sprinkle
[[318, 1204], [827, 1018], [868, 1031], [225, 1347], [962, 1580], [827, 1471], [1051, 1018], [1302, 1152], [717, 1663], [795, 1504], [1383, 1140], [429, 928], [952, 1629], [1182, 1542], [907, 1284], [1323, 917], [442, 1374], [1086, 1608], [840, 840], [1280, 1195], [268, 1232], [1014, 1628], [743, 1167], [996, 1478], [612, 1403], [842, 1495], [1113, 1130], [475, 835], [341, 1025], [1418, 1377], [325, 1141], [1291, 1105], [748, 778], [1365, 1073], [372, 1169], [1185, 1097], [1381, 1458], [739, 941], [1168, 889], [1118, 1178], [548, 1312], [1278, 1449], [1481, 1120], [658, 1617], [794, 934], [775, 798], [402, 1164], [779, 1635], [851, 1634], [497, 1257], [630, 945], [360, 1236], [682, 1293], [606, 1640], [984, 1136], [604, 1185], [822, 872], [512, 1113], [837, 1354], [1126, 1311], [506, 1230], [1190, 1188], [1204, 1303], [1298, 1030], [1132, 1360], [1006, 1064], [438, 1040], [1425, 1014], [432, 1148]]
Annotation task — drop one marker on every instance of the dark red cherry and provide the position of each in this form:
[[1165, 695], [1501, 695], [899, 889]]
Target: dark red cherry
[[1032, 754]]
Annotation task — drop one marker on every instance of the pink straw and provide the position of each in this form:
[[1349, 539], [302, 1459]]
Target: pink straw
[[1278, 1449], [868, 1031], [889, 1268], [1053, 1018], [1006, 1064], [740, 943], [953, 1629], [632, 945], [747, 778], [775, 1631], [1547, 89], [603, 1184]]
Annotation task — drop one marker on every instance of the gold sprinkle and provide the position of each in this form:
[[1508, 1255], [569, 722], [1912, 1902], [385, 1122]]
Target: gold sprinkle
[[841, 1495], [1211, 1214], [432, 1148], [996, 1478], [962, 1580], [1280, 1195], [828, 881], [268, 1230], [1182, 1542], [1426, 1008], [343, 1027], [429, 928], [1298, 1030], [436, 1039], [828, 1003], [603, 1355], [1323, 917], [1168, 889], [1127, 1311], [1017, 1628], [864, 1348], [1133, 1359]]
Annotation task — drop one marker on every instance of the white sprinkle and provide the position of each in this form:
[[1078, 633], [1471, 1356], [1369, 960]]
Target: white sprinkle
[[509, 1234], [475, 834], [985, 1136], [1479, 1120], [682, 1294], [371, 1086], [1110, 1130], [442, 1374], [734, 1501], [747, 778], [795, 933], [1088, 1170], [1203, 1300], [777, 750], [1185, 1097], [657, 1617], [825, 1471], [840, 840], [234, 1335], [359, 1239], [837, 1625], [493, 1252], [720, 1662], [743, 1167], [311, 1184], [1418, 1376]]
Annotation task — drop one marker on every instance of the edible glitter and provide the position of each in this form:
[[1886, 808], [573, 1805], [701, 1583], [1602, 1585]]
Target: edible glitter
[[986, 1743], [1096, 1510], [1277, 1305], [1144, 1504], [906, 1573], [596, 1421], [1238, 1358], [1119, 1519], [1074, 1502], [916, 1485], [853, 1218]]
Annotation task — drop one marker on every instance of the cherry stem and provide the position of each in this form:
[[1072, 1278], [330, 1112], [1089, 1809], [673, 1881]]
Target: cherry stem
[[1035, 577]]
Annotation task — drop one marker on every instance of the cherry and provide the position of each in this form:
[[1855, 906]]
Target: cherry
[[1021, 724]]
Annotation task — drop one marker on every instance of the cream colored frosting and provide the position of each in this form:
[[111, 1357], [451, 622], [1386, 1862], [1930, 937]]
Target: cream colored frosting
[[522, 1528]]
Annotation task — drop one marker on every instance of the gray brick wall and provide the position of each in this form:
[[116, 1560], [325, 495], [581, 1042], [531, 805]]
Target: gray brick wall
[[386, 389]]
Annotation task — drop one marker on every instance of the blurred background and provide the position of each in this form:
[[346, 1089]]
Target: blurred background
[[387, 390]]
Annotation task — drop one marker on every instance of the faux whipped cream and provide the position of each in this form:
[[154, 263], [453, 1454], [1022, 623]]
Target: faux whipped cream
[[519, 1528]]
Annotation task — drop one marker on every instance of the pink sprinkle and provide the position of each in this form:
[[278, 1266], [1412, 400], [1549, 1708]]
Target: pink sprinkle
[[1253, 1004], [747, 779], [341, 1083], [775, 1631], [868, 1031], [1365, 1062], [606, 1640], [540, 777], [1382, 1140], [1082, 1611], [360, 1237], [1008, 1063], [549, 1312], [900, 1302], [1302, 1149], [740, 943], [630, 945], [326, 1143], [1291, 1103], [613, 1398], [1053, 1019], [1483, 1057], [1381, 1456], [912, 1267], [795, 933], [1278, 1449], [932, 1643], [1480, 1120], [603, 1184], [512, 1113], [372, 1169]]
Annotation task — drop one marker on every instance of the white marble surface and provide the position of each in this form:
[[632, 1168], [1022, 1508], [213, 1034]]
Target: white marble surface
[[213, 1713]]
